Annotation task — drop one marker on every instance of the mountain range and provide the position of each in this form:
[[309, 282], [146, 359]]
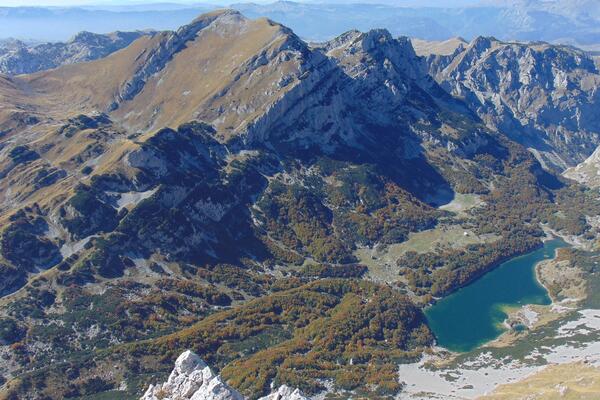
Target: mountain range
[[214, 188], [573, 22], [17, 57], [541, 95]]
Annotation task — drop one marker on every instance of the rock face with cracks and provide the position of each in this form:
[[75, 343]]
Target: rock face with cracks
[[541, 95]]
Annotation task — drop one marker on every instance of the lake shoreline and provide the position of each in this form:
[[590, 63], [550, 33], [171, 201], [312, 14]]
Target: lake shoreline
[[493, 266], [481, 374], [443, 373], [535, 316], [474, 316]]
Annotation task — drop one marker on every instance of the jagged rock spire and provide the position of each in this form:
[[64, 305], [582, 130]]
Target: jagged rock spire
[[192, 379]]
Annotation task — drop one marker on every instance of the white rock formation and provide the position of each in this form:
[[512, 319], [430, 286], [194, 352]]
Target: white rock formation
[[285, 393], [192, 379]]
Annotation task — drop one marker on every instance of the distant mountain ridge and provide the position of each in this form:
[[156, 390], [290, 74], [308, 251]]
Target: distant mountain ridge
[[542, 95], [17, 57], [559, 21]]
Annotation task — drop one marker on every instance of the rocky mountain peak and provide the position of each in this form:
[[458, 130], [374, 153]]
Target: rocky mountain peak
[[220, 17], [374, 42], [462, 60], [374, 39], [224, 13], [192, 379], [188, 362], [85, 37], [156, 58], [481, 43], [534, 55], [356, 51], [382, 46], [258, 53]]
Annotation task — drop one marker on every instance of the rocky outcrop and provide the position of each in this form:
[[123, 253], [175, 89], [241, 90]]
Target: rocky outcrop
[[540, 95], [192, 379], [285, 393], [17, 57]]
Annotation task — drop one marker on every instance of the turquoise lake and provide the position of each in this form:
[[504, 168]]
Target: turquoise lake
[[474, 314]]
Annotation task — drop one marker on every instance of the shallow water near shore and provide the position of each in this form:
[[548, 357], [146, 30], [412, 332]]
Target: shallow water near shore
[[474, 314]]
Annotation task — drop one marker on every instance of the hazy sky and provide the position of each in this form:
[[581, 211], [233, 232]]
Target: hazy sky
[[13, 3]]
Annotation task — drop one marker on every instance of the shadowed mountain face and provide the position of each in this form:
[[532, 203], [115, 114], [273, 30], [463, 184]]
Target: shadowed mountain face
[[265, 99], [17, 57], [209, 188]]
